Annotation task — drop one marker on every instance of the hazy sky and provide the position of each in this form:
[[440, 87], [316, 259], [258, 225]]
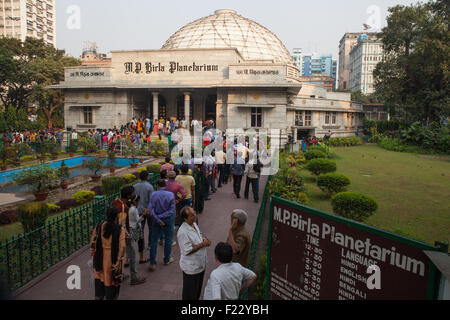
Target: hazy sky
[[314, 25]]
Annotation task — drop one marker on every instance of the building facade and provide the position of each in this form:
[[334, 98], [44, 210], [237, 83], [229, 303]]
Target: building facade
[[223, 67], [364, 57], [345, 46], [313, 64], [28, 18]]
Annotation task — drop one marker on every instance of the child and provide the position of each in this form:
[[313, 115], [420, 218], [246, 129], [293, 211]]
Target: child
[[136, 230]]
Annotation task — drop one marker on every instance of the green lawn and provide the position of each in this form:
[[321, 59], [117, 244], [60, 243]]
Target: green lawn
[[412, 191]]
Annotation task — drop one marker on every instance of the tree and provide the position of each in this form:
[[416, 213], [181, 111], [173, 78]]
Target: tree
[[413, 76], [27, 69]]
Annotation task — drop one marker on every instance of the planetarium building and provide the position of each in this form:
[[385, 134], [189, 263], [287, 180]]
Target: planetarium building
[[222, 67]]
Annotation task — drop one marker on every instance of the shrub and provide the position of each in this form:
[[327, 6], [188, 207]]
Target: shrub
[[53, 207], [332, 183], [142, 169], [155, 167], [315, 154], [345, 142], [83, 196], [8, 217], [98, 190], [88, 145], [33, 215], [321, 166], [94, 164], [299, 197], [112, 184], [67, 204], [26, 158], [42, 178], [129, 177], [354, 206]]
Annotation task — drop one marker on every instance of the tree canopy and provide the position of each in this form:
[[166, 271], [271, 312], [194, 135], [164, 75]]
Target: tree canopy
[[26, 69], [412, 79]]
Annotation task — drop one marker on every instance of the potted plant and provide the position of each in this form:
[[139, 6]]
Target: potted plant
[[63, 174], [95, 165], [132, 151], [141, 153], [111, 161], [3, 157], [41, 178], [72, 148]]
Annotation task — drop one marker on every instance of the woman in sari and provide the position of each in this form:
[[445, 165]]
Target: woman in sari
[[108, 248]]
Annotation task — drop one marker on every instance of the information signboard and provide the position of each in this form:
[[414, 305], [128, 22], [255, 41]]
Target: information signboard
[[319, 256]]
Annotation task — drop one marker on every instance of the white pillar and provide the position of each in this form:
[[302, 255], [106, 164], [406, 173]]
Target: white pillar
[[155, 105], [187, 107]]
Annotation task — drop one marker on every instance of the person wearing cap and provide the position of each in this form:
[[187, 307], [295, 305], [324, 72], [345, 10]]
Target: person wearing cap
[[239, 237]]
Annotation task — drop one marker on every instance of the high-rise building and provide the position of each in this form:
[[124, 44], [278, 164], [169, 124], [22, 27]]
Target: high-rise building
[[313, 64], [364, 57], [28, 18], [345, 46]]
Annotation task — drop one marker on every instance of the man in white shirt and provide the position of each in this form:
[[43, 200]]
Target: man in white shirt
[[193, 254], [225, 282]]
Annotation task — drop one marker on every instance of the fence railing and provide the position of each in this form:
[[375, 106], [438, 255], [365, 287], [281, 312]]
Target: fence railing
[[28, 255], [257, 235]]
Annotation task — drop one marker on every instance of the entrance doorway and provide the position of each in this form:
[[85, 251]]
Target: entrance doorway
[[210, 108], [162, 107], [180, 108], [303, 134]]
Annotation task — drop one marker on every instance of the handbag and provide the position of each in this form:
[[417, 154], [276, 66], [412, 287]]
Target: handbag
[[122, 221], [93, 244]]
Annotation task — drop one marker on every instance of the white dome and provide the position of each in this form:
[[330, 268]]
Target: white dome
[[226, 29]]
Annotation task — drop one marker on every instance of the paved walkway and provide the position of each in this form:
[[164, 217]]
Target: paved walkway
[[166, 282]]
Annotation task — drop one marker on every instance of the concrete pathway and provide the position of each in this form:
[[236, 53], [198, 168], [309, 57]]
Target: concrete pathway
[[166, 282]]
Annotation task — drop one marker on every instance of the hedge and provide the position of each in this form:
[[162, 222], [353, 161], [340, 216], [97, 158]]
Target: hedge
[[315, 154], [33, 215], [83, 196], [321, 166], [355, 206], [332, 183]]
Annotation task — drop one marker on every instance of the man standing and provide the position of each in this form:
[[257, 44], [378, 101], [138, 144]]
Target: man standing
[[193, 254], [188, 183], [167, 165], [229, 279], [178, 191], [237, 170], [252, 178], [221, 158], [122, 205], [162, 209], [239, 238], [144, 190], [200, 182]]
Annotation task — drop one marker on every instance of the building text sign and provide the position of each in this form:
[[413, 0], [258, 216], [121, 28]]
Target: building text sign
[[171, 67], [318, 256]]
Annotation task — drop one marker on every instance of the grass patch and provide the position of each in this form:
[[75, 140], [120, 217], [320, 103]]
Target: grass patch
[[412, 190]]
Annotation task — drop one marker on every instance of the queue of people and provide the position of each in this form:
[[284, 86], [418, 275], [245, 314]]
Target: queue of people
[[176, 203]]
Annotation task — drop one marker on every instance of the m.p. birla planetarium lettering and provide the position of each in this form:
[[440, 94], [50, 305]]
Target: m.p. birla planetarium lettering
[[172, 67]]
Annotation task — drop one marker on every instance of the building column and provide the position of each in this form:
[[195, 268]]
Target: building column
[[155, 105], [187, 107]]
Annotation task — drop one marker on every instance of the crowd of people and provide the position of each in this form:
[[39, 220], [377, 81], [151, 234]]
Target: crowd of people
[[170, 213], [172, 206]]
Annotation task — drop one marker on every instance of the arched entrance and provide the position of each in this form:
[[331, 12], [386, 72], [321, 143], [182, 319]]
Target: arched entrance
[[210, 108]]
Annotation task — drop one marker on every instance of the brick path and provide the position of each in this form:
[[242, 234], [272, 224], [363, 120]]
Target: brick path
[[166, 282]]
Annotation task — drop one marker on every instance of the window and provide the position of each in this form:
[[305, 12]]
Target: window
[[257, 117], [87, 112], [299, 118], [327, 117], [308, 118]]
